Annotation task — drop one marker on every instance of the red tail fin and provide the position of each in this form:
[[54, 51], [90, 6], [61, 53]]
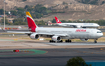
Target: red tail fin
[[31, 23], [57, 20]]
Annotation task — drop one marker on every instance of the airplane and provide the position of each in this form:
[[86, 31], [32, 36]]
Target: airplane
[[57, 34], [77, 25]]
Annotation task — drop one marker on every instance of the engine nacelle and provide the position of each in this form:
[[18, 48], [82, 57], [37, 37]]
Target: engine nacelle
[[84, 39], [78, 26], [56, 38], [34, 36]]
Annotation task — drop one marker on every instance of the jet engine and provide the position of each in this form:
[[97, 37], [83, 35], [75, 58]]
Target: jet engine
[[78, 26], [84, 39], [34, 36], [56, 38]]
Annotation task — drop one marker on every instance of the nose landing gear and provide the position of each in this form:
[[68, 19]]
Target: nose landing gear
[[95, 40]]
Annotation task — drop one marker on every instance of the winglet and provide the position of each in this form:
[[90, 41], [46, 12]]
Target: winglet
[[57, 20], [31, 23]]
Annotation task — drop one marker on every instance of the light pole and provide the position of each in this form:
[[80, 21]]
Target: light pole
[[4, 14]]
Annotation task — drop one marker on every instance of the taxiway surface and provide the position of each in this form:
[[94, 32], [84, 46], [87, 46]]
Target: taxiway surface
[[52, 57], [42, 53], [16, 43]]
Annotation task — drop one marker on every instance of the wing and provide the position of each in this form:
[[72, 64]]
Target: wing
[[19, 32], [67, 25], [62, 35], [53, 34]]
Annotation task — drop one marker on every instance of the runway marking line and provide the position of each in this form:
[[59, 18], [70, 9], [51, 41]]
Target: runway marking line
[[35, 52], [10, 40]]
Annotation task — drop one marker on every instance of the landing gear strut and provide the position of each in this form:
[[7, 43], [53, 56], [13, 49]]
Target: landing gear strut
[[95, 40], [68, 40]]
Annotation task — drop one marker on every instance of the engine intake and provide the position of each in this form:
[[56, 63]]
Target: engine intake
[[56, 38]]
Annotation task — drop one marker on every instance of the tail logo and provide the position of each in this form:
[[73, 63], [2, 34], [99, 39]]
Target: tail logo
[[57, 20], [31, 23]]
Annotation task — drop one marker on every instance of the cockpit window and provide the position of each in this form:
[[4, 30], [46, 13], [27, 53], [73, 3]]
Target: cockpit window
[[99, 32]]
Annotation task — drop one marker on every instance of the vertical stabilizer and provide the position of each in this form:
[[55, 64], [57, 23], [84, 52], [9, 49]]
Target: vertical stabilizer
[[31, 23], [57, 20]]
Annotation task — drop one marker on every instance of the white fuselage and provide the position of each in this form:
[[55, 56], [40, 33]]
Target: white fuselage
[[72, 33], [79, 24]]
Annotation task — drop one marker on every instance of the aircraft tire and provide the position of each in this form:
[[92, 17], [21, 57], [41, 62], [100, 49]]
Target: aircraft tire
[[70, 41], [61, 41], [95, 41], [67, 41], [52, 41]]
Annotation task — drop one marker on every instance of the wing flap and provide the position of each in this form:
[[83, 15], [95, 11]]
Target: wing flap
[[38, 33], [63, 35], [19, 32], [53, 34]]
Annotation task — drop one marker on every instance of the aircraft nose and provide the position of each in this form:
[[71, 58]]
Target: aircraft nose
[[101, 34], [97, 25]]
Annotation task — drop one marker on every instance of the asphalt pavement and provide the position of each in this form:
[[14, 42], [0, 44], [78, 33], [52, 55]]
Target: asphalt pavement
[[52, 57]]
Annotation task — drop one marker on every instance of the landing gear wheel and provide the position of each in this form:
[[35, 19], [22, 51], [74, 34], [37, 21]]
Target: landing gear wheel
[[61, 41], [51, 41], [95, 41], [68, 40], [65, 40]]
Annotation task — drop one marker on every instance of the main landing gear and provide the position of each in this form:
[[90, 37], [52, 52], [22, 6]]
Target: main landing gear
[[51, 41], [68, 40], [95, 40]]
